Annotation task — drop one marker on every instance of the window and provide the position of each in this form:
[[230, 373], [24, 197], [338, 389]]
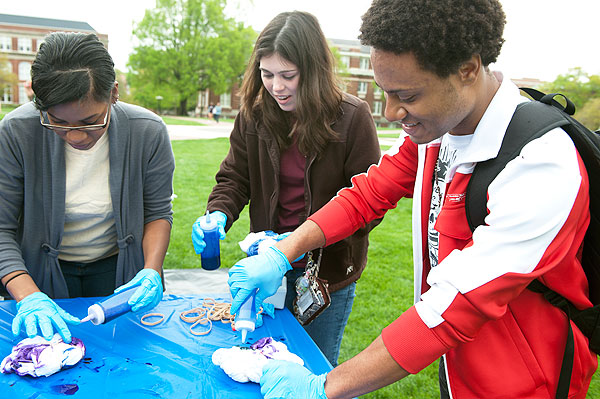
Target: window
[[7, 95], [225, 100], [25, 44], [364, 63], [24, 71], [377, 108], [362, 89], [22, 94], [5, 43], [39, 43], [377, 92], [345, 61]]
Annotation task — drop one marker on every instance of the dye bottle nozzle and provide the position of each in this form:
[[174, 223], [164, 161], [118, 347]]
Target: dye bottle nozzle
[[245, 319], [211, 256], [110, 307]]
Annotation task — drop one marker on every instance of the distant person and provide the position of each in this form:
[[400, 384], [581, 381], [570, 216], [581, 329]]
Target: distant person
[[296, 142], [494, 337], [210, 109], [217, 112], [86, 186]]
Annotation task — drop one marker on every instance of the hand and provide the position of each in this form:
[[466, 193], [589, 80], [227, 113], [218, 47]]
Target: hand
[[38, 308], [198, 234], [263, 271], [283, 379], [150, 292]]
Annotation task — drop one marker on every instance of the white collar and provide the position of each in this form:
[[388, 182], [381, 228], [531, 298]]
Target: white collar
[[490, 130]]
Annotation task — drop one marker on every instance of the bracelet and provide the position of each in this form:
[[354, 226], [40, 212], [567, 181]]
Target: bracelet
[[14, 277]]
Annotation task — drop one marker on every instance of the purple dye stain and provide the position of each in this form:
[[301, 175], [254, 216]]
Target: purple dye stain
[[65, 389]]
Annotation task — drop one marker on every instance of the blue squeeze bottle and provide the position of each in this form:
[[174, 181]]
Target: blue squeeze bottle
[[245, 319], [211, 256], [110, 307]]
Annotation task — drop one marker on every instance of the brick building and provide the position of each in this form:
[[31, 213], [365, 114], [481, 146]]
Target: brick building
[[357, 79], [20, 38]]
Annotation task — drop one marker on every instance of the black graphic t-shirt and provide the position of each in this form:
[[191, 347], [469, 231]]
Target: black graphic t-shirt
[[450, 148]]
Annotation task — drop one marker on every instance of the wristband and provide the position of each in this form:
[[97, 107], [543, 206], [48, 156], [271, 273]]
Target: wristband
[[13, 277]]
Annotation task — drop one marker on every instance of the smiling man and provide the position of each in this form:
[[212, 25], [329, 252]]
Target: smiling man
[[495, 338]]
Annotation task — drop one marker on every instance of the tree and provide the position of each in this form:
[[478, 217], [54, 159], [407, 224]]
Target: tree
[[577, 85], [7, 77], [340, 67], [187, 46], [589, 115]]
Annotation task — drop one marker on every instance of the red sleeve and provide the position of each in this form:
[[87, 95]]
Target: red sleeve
[[371, 195], [411, 343]]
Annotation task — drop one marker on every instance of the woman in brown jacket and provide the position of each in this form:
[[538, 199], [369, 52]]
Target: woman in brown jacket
[[296, 142]]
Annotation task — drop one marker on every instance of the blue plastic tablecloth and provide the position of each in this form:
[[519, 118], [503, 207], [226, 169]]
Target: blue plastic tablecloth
[[125, 359]]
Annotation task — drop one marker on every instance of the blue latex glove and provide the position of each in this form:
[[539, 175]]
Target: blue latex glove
[[263, 271], [268, 309], [38, 308], [198, 234], [288, 380], [150, 292]]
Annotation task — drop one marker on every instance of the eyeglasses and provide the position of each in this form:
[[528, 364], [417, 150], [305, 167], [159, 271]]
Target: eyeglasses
[[64, 129]]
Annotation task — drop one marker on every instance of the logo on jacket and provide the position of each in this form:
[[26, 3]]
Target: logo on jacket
[[456, 198]]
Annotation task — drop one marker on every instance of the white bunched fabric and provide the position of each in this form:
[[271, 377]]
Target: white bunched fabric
[[246, 364], [40, 358]]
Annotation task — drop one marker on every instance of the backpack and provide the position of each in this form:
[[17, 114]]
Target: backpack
[[532, 120]]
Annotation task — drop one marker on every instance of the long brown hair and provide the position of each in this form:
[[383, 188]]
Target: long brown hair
[[297, 37]]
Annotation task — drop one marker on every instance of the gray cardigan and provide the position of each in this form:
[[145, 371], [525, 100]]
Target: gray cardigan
[[32, 191]]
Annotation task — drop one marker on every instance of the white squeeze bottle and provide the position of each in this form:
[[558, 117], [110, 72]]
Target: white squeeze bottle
[[110, 307], [245, 319]]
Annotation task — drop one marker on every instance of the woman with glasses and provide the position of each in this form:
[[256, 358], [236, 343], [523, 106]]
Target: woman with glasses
[[85, 189], [297, 141]]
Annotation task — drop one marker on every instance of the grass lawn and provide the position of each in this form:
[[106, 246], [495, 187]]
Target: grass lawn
[[5, 109], [383, 292]]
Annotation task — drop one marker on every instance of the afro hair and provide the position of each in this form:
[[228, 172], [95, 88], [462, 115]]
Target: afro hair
[[442, 34]]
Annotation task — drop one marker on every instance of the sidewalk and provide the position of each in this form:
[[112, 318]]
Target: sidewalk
[[214, 130], [210, 130]]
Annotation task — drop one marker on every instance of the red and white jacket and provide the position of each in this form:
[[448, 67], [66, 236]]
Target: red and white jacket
[[498, 338]]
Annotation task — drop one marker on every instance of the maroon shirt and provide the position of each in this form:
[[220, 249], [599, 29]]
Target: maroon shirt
[[291, 189], [291, 192]]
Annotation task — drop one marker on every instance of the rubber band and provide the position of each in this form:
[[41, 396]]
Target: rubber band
[[210, 310], [152, 323]]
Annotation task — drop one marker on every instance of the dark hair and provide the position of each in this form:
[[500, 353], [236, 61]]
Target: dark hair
[[70, 67], [297, 37], [442, 34]]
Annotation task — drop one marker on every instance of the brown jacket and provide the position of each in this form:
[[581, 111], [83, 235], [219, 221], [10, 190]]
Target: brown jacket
[[250, 172]]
